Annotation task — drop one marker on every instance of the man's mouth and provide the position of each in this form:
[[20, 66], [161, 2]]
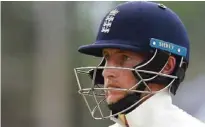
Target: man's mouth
[[112, 90], [113, 94], [112, 87]]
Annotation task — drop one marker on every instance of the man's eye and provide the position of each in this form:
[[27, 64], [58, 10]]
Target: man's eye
[[126, 58]]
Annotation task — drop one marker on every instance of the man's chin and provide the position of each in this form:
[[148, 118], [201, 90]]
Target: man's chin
[[113, 99]]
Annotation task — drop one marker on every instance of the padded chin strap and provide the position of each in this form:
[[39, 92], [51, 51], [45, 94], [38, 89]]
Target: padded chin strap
[[127, 101], [124, 103]]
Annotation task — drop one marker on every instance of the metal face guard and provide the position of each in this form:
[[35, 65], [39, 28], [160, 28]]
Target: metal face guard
[[97, 91]]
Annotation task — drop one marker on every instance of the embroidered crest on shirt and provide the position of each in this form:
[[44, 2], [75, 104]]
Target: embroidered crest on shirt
[[108, 21]]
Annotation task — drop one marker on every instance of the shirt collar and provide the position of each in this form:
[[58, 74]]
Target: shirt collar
[[147, 110], [150, 110]]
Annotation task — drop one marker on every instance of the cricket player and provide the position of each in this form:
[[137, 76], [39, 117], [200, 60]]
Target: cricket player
[[145, 53]]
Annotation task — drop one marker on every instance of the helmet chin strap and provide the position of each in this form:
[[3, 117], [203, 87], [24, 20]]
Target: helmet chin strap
[[126, 102]]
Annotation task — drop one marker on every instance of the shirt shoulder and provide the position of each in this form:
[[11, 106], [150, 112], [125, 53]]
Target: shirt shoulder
[[183, 118], [160, 112]]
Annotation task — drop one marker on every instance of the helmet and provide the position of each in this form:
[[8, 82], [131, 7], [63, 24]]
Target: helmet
[[139, 26]]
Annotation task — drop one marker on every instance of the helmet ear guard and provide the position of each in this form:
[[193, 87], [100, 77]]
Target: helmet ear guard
[[157, 65], [179, 72]]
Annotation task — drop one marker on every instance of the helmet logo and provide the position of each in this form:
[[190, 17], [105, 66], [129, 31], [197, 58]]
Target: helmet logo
[[108, 21]]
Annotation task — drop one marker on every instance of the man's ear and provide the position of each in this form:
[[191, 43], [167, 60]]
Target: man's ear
[[169, 68]]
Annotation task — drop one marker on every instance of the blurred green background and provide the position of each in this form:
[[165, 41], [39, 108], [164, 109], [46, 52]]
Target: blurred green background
[[39, 51]]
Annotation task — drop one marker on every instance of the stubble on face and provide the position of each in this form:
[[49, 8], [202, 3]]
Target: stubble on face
[[119, 78]]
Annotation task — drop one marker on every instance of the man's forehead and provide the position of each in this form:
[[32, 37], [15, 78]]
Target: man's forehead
[[114, 50]]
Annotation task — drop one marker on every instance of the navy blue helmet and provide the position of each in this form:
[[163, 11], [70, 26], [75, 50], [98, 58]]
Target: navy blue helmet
[[132, 25], [139, 26]]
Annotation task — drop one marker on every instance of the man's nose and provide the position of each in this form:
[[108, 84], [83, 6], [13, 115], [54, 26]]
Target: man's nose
[[110, 72]]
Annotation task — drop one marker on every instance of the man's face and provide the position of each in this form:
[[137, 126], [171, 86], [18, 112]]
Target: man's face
[[118, 78]]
